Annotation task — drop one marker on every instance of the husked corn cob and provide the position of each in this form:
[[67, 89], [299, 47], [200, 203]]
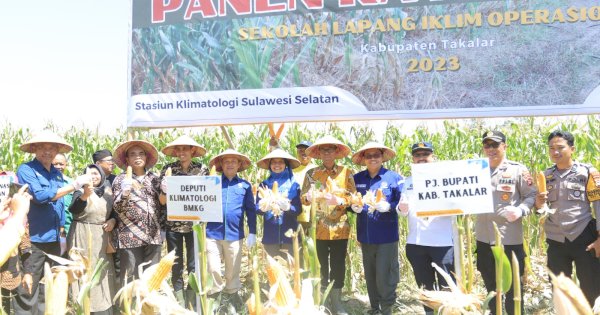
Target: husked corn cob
[[541, 181], [567, 297], [284, 296], [13, 228], [60, 293], [275, 187], [169, 172], [129, 174], [378, 195], [161, 272], [213, 171]]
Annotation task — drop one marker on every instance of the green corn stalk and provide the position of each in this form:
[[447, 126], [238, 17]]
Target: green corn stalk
[[516, 284], [503, 270], [200, 230]]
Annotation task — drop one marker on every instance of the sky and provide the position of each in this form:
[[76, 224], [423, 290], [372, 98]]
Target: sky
[[64, 62]]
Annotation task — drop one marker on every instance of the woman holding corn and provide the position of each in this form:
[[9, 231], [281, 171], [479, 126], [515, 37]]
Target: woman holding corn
[[330, 185], [184, 148], [376, 225], [91, 208], [279, 202], [140, 220]]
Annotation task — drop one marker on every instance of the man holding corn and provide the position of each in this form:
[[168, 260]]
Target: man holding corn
[[377, 226], [513, 196], [571, 232], [46, 215]]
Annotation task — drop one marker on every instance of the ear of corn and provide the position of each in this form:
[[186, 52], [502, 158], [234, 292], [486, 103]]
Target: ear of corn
[[161, 272], [567, 297], [129, 174], [213, 171], [379, 195], [541, 181], [60, 292], [169, 172], [284, 294], [275, 187]]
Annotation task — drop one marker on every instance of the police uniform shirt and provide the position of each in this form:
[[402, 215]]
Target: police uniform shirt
[[512, 185], [570, 193]]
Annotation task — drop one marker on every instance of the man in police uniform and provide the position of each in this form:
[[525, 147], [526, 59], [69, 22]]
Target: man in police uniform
[[513, 195], [571, 233]]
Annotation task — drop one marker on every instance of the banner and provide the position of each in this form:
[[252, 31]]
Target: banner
[[194, 198], [213, 62], [452, 187], [4, 186]]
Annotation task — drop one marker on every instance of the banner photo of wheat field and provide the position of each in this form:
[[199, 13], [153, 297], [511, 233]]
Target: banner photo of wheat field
[[214, 62]]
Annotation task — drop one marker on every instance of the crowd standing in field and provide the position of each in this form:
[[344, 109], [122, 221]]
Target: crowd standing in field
[[126, 215]]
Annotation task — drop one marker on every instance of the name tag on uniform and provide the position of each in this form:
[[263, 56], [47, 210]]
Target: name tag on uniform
[[505, 188], [574, 186]]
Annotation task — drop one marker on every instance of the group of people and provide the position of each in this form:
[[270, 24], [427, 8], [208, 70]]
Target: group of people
[[126, 216]]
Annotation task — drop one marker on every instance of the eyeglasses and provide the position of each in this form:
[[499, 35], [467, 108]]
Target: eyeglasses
[[421, 154], [134, 154], [373, 156], [491, 145], [110, 161]]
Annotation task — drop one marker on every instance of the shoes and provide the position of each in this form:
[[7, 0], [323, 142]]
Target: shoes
[[335, 299]]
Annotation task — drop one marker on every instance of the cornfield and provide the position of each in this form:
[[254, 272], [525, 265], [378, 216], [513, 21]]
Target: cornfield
[[526, 139]]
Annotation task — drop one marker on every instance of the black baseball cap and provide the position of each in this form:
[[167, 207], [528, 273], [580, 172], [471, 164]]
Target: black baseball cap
[[494, 135], [422, 146], [304, 143]]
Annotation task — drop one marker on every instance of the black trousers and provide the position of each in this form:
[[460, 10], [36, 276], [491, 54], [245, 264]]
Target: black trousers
[[487, 267], [421, 257], [332, 258], [34, 303], [562, 255], [175, 241]]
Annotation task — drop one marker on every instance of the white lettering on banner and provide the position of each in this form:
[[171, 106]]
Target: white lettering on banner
[[194, 198], [452, 187]]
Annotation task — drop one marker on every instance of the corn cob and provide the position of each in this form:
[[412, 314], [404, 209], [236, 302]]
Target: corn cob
[[567, 297], [129, 174], [169, 172], [275, 187], [541, 181], [356, 199], [284, 295], [161, 272], [213, 171], [378, 195], [60, 292]]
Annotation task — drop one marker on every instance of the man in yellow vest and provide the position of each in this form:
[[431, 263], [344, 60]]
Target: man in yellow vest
[[299, 174]]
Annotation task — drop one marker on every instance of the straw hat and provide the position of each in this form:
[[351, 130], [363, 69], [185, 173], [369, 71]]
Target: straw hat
[[278, 153], [313, 150], [198, 150], [46, 136], [120, 157], [216, 161], [358, 157]]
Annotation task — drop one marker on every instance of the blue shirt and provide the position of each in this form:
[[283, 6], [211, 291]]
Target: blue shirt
[[275, 227], [378, 227], [237, 201], [45, 216]]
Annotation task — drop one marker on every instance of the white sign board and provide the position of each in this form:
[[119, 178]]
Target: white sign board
[[4, 186], [194, 198], [452, 187]]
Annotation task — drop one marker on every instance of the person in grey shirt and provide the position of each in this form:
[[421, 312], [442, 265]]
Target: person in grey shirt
[[571, 232], [513, 196]]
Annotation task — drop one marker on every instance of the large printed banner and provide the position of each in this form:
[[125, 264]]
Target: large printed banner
[[452, 188], [211, 62]]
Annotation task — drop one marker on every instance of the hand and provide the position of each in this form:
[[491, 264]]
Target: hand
[[109, 225], [356, 208], [87, 191], [540, 199], [595, 246], [284, 204], [27, 282], [332, 200], [163, 185], [309, 195], [402, 208], [511, 213], [163, 235], [81, 180], [382, 206], [126, 185], [251, 240]]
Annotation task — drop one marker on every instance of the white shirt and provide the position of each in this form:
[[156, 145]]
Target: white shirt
[[426, 231]]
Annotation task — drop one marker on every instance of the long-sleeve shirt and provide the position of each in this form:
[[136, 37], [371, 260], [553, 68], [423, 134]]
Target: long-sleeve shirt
[[238, 202], [275, 227], [332, 221], [512, 185], [378, 227], [45, 216], [195, 169], [139, 216], [570, 193], [434, 231]]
